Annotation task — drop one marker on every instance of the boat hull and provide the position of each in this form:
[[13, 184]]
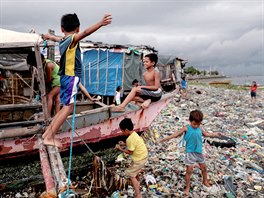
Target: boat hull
[[103, 125]]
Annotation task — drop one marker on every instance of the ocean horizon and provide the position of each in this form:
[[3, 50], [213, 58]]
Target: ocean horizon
[[247, 80]]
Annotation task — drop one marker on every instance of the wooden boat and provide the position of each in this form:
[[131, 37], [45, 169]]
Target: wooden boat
[[96, 122], [23, 118]]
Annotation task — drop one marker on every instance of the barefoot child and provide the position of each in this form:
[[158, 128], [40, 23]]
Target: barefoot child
[[138, 151], [70, 68], [193, 137], [148, 93], [184, 87]]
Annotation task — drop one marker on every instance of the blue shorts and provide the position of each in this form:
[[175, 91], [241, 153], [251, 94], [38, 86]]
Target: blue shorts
[[69, 87]]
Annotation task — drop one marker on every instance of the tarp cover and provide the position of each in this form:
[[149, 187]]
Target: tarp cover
[[104, 70], [13, 39], [166, 60], [134, 69], [16, 40], [15, 62]]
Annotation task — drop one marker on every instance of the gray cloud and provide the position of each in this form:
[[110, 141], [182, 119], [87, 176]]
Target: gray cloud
[[227, 35]]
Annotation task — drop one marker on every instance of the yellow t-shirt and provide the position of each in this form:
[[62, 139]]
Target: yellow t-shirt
[[136, 144]]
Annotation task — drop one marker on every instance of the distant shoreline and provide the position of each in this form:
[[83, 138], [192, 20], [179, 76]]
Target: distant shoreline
[[206, 77], [234, 80]]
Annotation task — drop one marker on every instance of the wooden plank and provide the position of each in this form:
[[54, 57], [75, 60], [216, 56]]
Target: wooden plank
[[19, 106], [19, 132], [21, 124], [42, 83]]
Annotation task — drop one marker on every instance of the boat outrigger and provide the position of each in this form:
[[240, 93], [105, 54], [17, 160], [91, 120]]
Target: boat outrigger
[[24, 115]]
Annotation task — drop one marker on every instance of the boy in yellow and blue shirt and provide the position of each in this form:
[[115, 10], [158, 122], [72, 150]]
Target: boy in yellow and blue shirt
[[138, 151], [70, 68]]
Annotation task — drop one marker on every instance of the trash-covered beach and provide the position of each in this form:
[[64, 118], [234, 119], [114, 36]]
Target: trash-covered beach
[[233, 172]]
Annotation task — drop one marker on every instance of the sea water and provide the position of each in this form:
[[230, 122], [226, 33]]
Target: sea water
[[246, 80]]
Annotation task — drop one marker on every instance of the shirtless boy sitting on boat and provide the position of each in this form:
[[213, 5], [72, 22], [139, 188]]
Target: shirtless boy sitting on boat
[[148, 93]]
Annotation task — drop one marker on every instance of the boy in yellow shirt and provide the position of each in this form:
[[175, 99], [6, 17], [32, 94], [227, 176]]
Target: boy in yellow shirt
[[137, 149]]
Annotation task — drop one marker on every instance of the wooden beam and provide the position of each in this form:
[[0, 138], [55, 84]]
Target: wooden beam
[[42, 83], [19, 132], [46, 169]]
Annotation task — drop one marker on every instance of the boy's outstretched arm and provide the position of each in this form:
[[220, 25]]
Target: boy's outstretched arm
[[207, 134], [107, 19], [51, 37], [174, 135]]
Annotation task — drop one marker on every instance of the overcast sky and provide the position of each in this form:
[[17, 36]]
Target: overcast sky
[[226, 35]]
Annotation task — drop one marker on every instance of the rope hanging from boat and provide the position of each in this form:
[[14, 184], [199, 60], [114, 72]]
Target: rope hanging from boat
[[70, 158]]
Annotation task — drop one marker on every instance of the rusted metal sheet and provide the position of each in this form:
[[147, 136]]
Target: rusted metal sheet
[[142, 118], [8, 146]]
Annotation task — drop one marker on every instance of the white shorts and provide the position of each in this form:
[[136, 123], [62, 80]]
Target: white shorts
[[192, 158]]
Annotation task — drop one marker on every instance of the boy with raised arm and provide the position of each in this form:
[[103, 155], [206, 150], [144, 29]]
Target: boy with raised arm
[[70, 68]]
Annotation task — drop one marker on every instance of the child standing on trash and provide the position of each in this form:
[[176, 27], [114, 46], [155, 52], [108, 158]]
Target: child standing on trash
[[193, 137], [138, 151], [184, 86], [70, 68], [253, 92]]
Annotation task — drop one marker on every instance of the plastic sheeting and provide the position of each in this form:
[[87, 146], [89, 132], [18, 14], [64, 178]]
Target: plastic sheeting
[[166, 60], [134, 69], [15, 62], [104, 71], [15, 39]]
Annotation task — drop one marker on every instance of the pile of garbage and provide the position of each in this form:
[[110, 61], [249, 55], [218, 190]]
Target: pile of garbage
[[235, 166], [233, 171]]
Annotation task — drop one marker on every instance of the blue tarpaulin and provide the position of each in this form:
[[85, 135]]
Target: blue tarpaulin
[[102, 71]]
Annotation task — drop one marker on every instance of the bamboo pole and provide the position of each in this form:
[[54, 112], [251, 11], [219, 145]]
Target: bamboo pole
[[98, 69], [42, 83], [24, 81], [46, 170], [13, 99], [32, 83]]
